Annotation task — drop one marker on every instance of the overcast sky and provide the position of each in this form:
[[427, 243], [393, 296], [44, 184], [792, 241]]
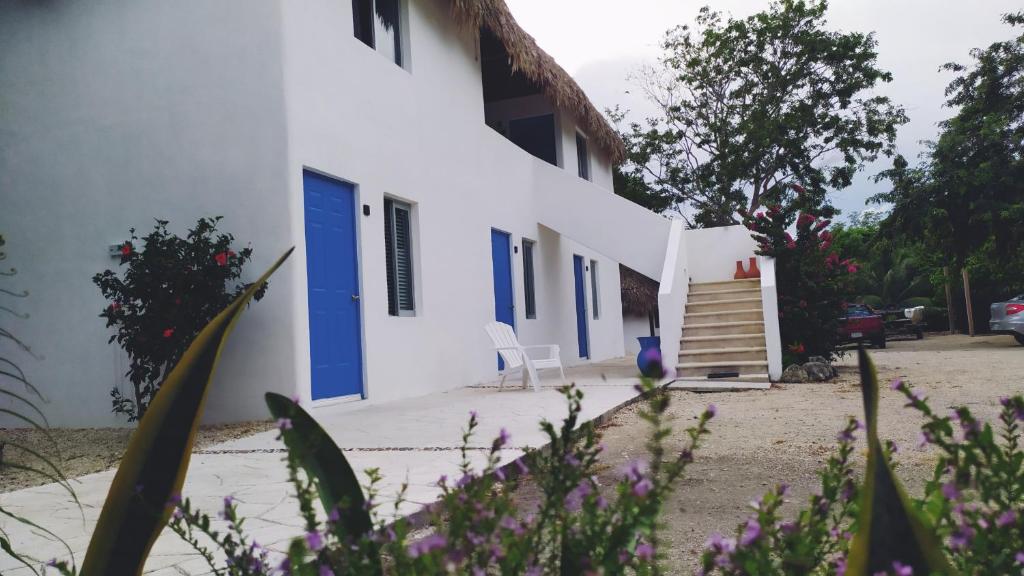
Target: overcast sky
[[601, 42]]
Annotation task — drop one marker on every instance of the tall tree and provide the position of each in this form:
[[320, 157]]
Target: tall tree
[[966, 199], [748, 105]]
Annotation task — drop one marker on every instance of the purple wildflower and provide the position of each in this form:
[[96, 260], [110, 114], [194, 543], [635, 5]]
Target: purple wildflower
[[1006, 518], [472, 414], [711, 410], [788, 528], [334, 516], [961, 537], [645, 552], [896, 384], [634, 471], [284, 424], [717, 543], [900, 569], [751, 532], [841, 566], [1019, 558], [315, 541], [950, 491], [326, 571], [502, 439], [427, 545], [642, 488]]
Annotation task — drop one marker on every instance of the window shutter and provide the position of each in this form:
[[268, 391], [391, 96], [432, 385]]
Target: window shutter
[[389, 252], [403, 260], [528, 280]]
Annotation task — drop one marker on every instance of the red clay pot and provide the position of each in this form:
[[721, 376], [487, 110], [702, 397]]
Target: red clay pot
[[754, 271], [740, 273]]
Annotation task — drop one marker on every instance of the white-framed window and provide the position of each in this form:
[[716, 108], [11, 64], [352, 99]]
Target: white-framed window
[[379, 25], [529, 280], [399, 256], [582, 156], [595, 293]]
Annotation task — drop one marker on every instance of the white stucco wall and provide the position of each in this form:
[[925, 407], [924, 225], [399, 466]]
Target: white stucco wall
[[113, 113], [117, 112], [634, 327], [713, 252]]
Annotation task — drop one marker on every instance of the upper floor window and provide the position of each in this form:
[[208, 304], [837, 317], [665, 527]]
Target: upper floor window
[[378, 24], [398, 255], [529, 281], [583, 156]]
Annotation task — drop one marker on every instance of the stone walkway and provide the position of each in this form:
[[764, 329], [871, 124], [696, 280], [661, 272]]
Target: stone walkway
[[413, 440]]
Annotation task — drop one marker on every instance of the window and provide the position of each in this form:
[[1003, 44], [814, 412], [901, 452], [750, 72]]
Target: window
[[378, 24], [583, 156], [528, 280], [594, 299], [398, 249]]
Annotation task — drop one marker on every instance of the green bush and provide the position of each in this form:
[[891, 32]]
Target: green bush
[[169, 289]]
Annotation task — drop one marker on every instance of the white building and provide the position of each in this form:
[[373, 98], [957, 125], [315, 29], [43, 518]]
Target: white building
[[449, 151]]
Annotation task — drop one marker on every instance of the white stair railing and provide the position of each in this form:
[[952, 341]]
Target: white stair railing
[[672, 294]]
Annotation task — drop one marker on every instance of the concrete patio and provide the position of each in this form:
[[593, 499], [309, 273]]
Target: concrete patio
[[413, 440]]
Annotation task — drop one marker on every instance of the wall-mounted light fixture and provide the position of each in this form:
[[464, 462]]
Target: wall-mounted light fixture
[[366, 209]]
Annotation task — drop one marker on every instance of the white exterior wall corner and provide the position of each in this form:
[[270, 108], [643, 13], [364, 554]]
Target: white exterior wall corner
[[173, 115], [115, 113]]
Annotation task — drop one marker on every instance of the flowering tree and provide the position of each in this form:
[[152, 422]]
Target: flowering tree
[[170, 288], [812, 279]]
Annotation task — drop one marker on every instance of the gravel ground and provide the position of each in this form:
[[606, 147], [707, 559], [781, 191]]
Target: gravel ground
[[762, 438], [81, 451]]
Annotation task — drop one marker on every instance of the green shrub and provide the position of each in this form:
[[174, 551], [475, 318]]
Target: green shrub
[[169, 289]]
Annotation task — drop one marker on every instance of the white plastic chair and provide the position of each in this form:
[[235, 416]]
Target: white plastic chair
[[515, 355]]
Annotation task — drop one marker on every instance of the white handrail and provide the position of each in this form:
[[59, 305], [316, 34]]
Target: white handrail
[[672, 294], [770, 308]]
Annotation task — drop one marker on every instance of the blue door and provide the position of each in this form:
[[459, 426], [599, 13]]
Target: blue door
[[335, 329], [501, 262], [581, 307]]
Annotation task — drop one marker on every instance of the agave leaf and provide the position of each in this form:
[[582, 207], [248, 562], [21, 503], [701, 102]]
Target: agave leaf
[[321, 458], [154, 464], [890, 529]]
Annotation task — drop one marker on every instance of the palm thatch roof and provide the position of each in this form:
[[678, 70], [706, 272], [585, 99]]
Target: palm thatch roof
[[639, 293], [539, 67]]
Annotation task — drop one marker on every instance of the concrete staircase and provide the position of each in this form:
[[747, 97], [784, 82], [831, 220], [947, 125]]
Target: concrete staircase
[[723, 333]]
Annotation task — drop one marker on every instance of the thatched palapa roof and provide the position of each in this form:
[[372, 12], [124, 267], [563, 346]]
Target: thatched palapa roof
[[639, 293], [539, 67]]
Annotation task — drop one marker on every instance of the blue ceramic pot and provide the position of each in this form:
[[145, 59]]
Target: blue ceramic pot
[[649, 358]]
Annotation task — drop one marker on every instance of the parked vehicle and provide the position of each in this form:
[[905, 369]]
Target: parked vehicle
[[903, 321], [862, 324], [1008, 318]]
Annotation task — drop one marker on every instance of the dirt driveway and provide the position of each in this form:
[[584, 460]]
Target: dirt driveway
[[784, 434]]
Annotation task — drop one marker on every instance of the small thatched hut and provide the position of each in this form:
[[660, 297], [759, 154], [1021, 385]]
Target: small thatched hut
[[639, 306]]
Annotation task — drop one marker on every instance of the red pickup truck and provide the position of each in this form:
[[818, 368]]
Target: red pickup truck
[[862, 324]]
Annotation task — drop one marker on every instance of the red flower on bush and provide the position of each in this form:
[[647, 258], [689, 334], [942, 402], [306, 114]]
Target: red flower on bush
[[221, 258], [168, 332], [126, 249], [797, 348]]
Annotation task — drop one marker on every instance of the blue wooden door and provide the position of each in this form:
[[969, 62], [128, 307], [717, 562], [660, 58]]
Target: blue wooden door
[[501, 262], [581, 307], [335, 327]]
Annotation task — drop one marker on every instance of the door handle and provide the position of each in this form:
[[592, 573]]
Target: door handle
[[355, 297]]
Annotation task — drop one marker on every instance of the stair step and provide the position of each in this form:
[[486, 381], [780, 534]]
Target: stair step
[[722, 350], [692, 319], [724, 285], [727, 329], [702, 369], [719, 385], [724, 295], [724, 305], [692, 343]]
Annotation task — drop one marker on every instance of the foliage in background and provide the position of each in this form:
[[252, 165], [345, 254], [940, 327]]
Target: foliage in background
[[812, 280], [169, 289], [749, 104], [964, 202], [476, 527]]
